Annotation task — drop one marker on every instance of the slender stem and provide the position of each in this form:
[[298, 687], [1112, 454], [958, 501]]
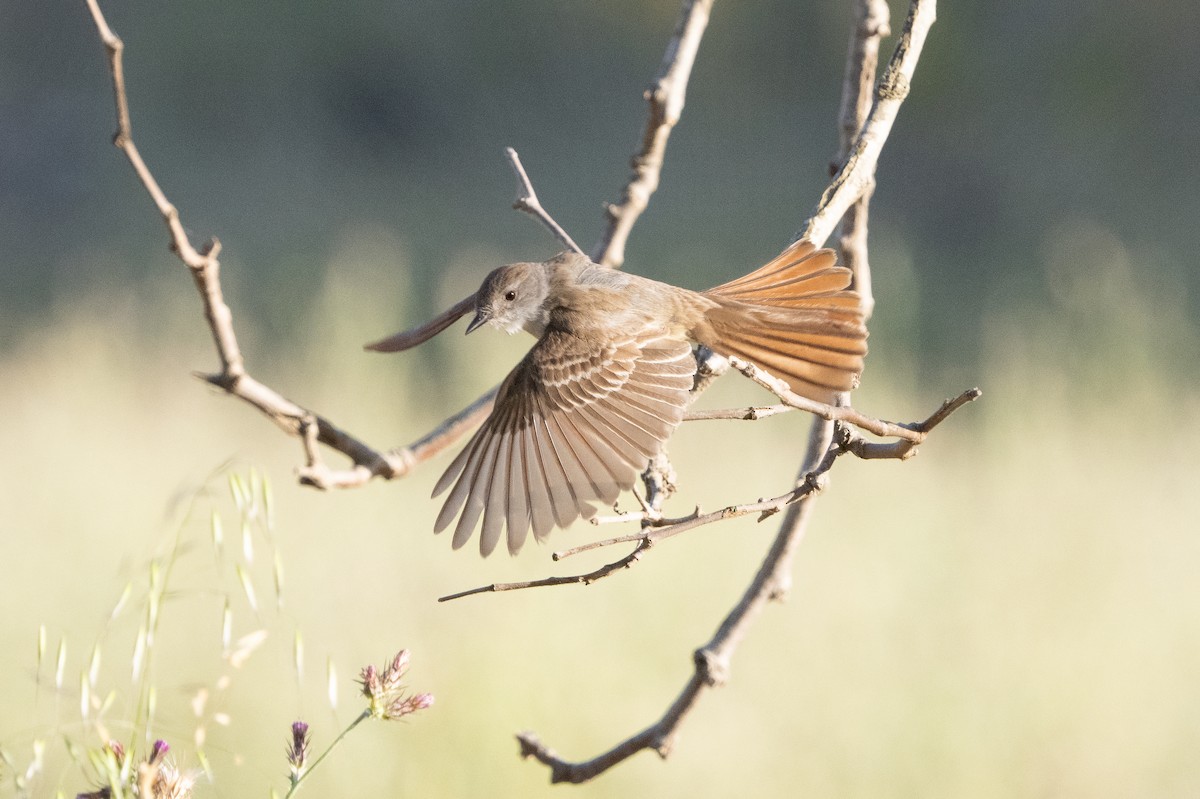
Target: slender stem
[[665, 99], [297, 781], [857, 174], [527, 201]]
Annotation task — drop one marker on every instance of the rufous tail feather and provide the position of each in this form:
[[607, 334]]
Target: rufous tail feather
[[796, 318]]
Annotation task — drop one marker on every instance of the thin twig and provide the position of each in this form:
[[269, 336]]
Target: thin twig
[[657, 520], [810, 483], [871, 24], [832, 413], [574, 579], [665, 99], [903, 449], [857, 174], [751, 414], [401, 461], [527, 201]]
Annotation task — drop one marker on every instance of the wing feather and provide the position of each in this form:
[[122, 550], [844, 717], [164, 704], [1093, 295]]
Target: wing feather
[[573, 425], [563, 500], [518, 491], [495, 493], [480, 475], [583, 466]]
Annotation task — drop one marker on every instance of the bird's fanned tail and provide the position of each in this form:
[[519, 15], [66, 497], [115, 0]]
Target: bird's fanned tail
[[796, 318]]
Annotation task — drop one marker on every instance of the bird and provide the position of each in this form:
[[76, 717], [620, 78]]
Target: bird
[[608, 380]]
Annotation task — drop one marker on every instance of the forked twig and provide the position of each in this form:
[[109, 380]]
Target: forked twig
[[573, 579], [809, 484], [527, 201], [831, 413]]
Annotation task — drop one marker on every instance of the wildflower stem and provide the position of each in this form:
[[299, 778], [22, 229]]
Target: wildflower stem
[[296, 781]]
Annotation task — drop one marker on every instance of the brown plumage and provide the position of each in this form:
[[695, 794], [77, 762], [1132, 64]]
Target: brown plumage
[[607, 381]]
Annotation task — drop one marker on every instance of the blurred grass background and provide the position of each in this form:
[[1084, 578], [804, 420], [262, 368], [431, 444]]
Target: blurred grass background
[[1014, 613]]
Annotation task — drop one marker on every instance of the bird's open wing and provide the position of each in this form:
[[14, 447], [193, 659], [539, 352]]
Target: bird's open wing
[[574, 424]]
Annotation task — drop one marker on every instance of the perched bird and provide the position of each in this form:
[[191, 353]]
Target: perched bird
[[607, 382]]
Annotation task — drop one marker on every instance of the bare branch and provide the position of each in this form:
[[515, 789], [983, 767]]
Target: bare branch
[[233, 378], [666, 100], [575, 579], [527, 201], [857, 175], [910, 434], [751, 414], [400, 461], [832, 413], [811, 482], [905, 448], [871, 25], [948, 407], [656, 518]]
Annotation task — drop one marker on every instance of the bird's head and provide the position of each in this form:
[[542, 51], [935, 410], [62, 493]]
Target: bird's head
[[512, 298]]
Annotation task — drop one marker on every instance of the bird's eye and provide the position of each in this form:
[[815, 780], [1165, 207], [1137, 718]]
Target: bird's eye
[[510, 295]]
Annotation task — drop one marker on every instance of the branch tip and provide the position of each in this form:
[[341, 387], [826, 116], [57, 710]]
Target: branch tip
[[527, 201]]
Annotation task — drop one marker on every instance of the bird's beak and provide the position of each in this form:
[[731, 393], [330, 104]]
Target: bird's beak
[[481, 317]]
